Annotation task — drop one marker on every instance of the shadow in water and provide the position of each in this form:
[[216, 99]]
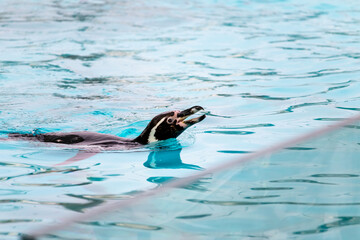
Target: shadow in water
[[168, 159]]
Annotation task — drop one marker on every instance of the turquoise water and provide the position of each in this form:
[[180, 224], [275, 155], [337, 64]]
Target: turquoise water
[[307, 191], [265, 70]]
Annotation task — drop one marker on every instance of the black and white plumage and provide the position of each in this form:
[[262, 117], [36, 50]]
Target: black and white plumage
[[163, 126]]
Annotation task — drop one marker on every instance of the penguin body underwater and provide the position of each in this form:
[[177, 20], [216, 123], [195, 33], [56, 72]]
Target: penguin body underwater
[[163, 126]]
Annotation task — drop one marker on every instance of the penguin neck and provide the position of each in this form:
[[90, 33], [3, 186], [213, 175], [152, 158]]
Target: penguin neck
[[148, 135], [143, 138]]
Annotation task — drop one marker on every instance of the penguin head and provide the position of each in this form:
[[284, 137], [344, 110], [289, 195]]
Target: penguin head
[[169, 125]]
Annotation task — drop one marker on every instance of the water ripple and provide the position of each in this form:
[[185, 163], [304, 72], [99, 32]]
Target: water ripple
[[194, 216], [126, 225], [19, 221], [246, 203], [91, 57], [291, 108], [234, 151], [73, 206], [110, 66], [37, 170], [335, 175], [258, 125], [341, 222], [230, 132], [300, 181]]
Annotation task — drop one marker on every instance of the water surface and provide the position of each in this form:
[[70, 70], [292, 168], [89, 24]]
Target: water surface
[[265, 70]]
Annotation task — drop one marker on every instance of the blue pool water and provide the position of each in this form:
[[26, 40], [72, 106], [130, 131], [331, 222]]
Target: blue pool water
[[264, 70], [307, 191]]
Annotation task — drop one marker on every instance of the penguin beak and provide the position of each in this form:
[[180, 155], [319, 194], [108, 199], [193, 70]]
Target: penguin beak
[[181, 116]]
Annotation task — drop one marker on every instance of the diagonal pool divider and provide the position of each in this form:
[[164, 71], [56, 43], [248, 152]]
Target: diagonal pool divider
[[108, 207]]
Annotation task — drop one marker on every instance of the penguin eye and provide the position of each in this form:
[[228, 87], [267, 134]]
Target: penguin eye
[[170, 120]]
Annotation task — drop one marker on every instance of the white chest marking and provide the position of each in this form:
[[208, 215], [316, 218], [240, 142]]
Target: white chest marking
[[152, 137]]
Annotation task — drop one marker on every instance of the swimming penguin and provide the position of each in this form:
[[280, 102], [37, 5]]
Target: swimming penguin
[[161, 127]]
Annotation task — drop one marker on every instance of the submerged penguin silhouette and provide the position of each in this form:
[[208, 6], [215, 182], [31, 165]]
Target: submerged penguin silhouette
[[163, 126]]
